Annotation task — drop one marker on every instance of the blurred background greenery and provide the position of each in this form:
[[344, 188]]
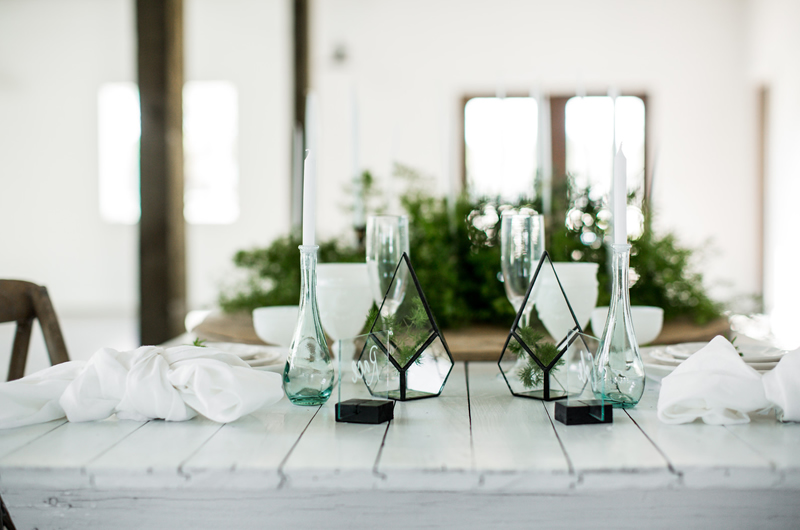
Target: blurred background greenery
[[455, 251]]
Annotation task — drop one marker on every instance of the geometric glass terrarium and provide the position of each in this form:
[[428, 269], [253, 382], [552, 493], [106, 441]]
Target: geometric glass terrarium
[[418, 356], [581, 406], [362, 381], [533, 362]]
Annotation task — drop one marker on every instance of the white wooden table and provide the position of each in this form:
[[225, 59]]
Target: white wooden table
[[476, 457]]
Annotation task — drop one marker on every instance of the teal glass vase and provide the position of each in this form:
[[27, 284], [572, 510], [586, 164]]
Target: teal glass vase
[[618, 374], [308, 376]]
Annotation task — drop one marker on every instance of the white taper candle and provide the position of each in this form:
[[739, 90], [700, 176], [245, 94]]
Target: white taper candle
[[309, 199], [620, 196]]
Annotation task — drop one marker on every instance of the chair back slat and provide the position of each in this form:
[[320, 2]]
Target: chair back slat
[[16, 302], [21, 302]]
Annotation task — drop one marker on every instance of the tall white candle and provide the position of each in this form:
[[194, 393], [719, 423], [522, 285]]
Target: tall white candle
[[620, 198], [309, 200]]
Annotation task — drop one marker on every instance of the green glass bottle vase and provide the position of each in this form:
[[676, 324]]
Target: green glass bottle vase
[[618, 376], [308, 376]]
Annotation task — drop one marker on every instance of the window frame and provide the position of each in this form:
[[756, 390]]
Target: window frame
[[558, 134]]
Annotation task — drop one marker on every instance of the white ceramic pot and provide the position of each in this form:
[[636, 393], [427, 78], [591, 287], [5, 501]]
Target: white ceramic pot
[[579, 281], [647, 322], [276, 324], [343, 298]]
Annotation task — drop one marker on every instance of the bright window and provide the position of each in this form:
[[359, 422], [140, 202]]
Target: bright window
[[593, 135], [211, 170], [119, 129], [500, 136]]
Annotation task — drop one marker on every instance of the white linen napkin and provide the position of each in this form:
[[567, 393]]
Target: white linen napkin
[[715, 384], [173, 384]]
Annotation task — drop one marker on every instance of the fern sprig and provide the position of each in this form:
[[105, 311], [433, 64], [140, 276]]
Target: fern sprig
[[531, 374]]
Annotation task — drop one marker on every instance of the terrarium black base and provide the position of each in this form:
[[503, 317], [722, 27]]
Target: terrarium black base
[[585, 412], [372, 411]]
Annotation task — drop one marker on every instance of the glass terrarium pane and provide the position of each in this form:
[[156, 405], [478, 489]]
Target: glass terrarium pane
[[407, 320], [581, 350], [552, 307], [514, 358], [578, 359], [526, 377], [364, 367], [427, 374], [414, 348]]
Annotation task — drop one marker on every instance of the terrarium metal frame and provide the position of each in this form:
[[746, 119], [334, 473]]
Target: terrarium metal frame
[[562, 345], [435, 333]]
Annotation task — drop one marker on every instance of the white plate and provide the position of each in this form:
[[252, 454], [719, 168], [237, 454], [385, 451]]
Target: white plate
[[274, 358], [653, 368], [252, 354], [662, 356], [751, 353], [276, 367], [656, 369]]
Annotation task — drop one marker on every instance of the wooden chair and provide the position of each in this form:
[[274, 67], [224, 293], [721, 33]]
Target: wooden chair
[[21, 302], [5, 518]]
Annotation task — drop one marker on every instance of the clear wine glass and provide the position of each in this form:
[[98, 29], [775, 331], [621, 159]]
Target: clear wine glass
[[387, 239], [521, 246]]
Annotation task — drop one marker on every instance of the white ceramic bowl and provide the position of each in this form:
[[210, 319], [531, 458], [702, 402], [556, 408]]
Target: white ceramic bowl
[[647, 322], [343, 297], [579, 281], [276, 324]]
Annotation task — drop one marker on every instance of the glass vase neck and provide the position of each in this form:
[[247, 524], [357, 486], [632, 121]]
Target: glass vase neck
[[308, 274], [308, 376], [619, 268], [619, 376]]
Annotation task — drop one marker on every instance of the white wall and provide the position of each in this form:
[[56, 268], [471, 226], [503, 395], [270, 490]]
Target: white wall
[[774, 36], [50, 69], [248, 43], [54, 55], [413, 61]]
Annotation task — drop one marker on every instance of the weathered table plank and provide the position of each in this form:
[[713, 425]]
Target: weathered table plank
[[779, 443], [250, 450], [612, 456], [13, 439], [436, 510], [472, 458], [152, 455], [334, 454], [59, 458], [515, 445], [431, 438], [702, 455]]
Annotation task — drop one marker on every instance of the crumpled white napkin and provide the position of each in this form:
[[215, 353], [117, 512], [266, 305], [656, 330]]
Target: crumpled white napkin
[[150, 382], [715, 384]]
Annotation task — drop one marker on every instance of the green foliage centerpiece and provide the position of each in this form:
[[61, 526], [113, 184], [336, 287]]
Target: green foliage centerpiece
[[456, 249]]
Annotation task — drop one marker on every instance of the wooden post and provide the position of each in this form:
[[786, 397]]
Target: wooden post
[[162, 247], [300, 20], [558, 145], [300, 63]]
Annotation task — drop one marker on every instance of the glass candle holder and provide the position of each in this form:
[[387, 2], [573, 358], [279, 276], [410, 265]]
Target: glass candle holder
[[618, 368], [308, 376]]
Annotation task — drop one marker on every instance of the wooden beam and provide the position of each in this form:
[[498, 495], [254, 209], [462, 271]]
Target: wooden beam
[[162, 246], [300, 78], [301, 45], [558, 144]]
